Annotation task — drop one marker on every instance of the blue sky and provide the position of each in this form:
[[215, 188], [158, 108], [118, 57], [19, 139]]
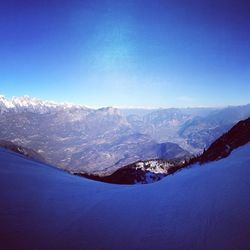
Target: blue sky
[[127, 53]]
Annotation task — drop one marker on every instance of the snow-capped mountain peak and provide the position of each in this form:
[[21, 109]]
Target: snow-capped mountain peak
[[27, 103], [5, 104]]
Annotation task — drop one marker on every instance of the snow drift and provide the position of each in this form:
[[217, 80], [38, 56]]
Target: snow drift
[[203, 207]]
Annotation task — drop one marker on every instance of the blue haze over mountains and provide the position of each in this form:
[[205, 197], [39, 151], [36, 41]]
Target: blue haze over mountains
[[100, 141]]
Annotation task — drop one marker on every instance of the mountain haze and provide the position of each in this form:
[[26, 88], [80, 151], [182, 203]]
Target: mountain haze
[[100, 141]]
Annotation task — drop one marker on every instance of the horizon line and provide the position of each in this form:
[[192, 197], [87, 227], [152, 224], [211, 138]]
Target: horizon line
[[124, 107]]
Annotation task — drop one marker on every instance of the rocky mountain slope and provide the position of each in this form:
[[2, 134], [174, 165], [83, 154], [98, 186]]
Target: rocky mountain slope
[[237, 136]]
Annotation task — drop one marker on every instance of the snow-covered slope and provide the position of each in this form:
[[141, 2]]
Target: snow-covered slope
[[204, 207]]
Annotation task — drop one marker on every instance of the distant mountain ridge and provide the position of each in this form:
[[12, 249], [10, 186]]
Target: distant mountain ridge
[[202, 131], [26, 103]]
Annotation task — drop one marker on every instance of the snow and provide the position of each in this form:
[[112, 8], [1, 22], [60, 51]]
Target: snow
[[154, 166], [33, 104], [203, 207], [5, 104]]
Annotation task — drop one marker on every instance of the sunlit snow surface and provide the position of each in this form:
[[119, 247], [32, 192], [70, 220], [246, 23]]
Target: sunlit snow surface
[[205, 207]]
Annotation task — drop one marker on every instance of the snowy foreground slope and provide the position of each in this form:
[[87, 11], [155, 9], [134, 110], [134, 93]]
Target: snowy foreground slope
[[203, 207]]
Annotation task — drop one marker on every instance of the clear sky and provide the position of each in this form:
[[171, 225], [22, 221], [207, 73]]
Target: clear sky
[[157, 53]]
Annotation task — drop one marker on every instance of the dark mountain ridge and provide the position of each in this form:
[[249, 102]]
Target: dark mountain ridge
[[237, 136]]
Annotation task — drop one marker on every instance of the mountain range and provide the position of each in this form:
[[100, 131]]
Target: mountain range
[[100, 141]]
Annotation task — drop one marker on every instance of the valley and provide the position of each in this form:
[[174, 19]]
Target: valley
[[100, 141]]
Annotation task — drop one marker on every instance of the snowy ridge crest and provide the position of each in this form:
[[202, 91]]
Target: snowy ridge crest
[[26, 103]]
